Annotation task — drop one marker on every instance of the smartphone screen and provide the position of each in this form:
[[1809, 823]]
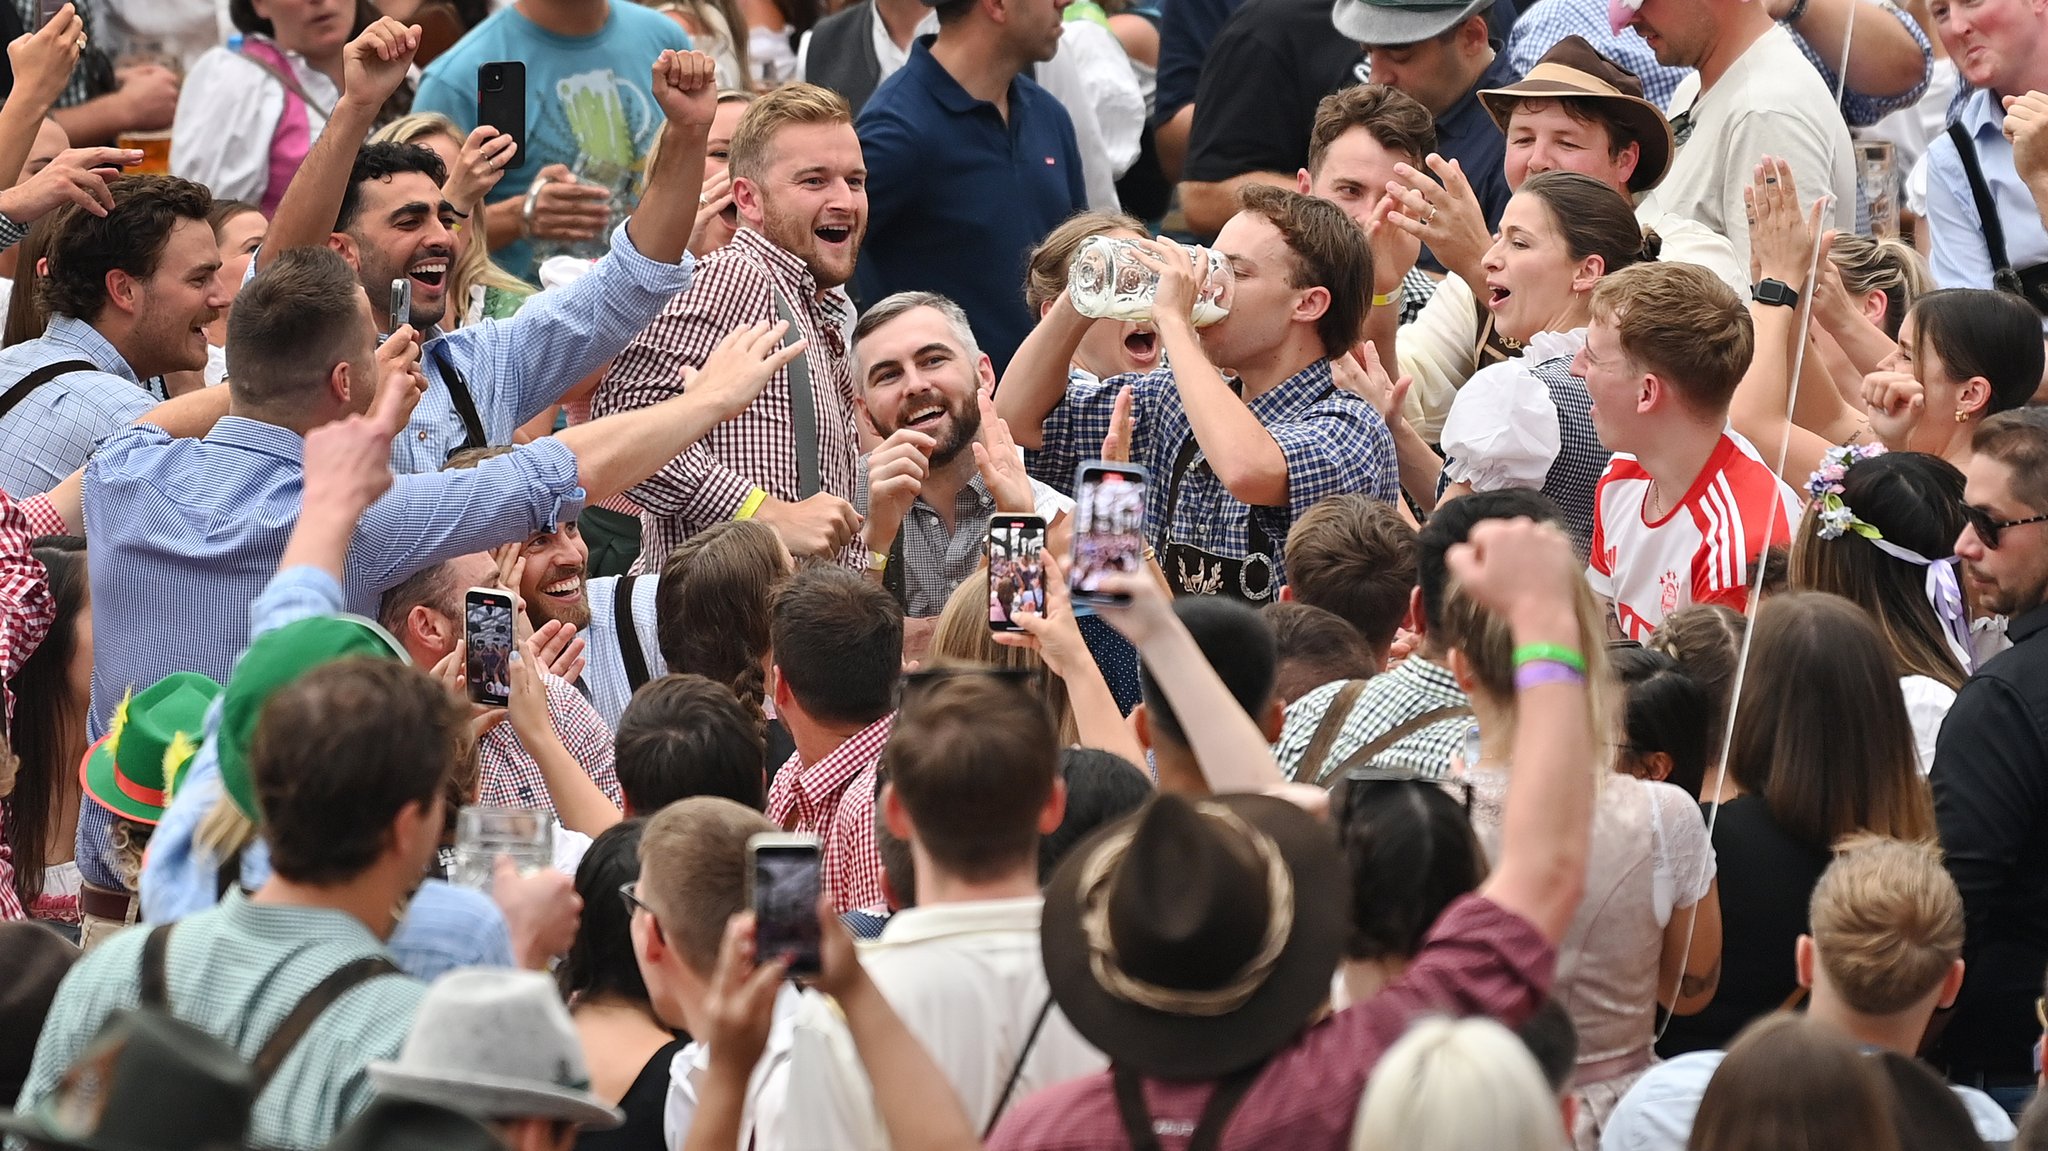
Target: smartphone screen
[[1016, 576], [487, 629], [787, 877], [501, 102], [1109, 527]]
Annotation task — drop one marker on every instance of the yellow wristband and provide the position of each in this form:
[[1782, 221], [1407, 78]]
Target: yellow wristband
[[751, 504], [1383, 301], [878, 561]]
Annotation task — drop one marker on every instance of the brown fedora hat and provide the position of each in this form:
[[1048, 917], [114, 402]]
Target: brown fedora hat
[[1573, 69], [1197, 937]]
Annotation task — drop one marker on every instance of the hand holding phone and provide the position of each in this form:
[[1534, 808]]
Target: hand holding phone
[[1016, 577], [785, 876], [501, 103], [401, 303], [487, 630], [1109, 529]]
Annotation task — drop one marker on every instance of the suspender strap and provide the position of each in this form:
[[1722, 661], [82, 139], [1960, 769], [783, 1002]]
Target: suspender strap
[[1261, 543], [458, 391], [803, 404], [630, 652], [36, 379], [282, 74], [1328, 728], [1208, 1135], [2002, 273], [155, 985], [1017, 1068], [308, 1010], [1364, 756]]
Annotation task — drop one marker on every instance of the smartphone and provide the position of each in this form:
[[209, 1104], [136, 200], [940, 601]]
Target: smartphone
[[401, 302], [47, 10], [1016, 577], [501, 102], [487, 630], [1109, 528], [785, 876]]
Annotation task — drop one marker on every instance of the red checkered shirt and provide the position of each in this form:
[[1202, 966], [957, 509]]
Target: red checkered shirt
[[834, 799], [711, 479], [26, 613], [510, 776]]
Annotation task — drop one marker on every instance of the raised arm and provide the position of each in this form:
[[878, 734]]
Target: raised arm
[[1036, 380], [42, 62], [686, 87]]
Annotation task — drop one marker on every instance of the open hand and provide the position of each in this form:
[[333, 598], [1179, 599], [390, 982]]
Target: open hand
[[77, 176], [742, 364], [1446, 216], [1116, 446], [1780, 233], [1001, 464], [1361, 373], [1053, 634]]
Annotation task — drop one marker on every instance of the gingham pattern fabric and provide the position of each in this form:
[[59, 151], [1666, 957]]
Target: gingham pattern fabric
[[1412, 687], [1334, 442], [518, 366], [1575, 474], [834, 799], [49, 434], [709, 481], [26, 613], [510, 776], [935, 558], [235, 971]]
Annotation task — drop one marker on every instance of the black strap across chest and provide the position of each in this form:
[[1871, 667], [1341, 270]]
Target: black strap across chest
[[36, 379], [1208, 1133], [465, 404], [630, 652]]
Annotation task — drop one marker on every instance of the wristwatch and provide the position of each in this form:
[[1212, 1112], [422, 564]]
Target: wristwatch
[[1777, 293]]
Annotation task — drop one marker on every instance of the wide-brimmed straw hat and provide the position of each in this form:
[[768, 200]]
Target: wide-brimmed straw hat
[[1197, 937], [1573, 69]]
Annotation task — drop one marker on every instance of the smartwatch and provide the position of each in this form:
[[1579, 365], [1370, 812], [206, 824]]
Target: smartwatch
[[1777, 293]]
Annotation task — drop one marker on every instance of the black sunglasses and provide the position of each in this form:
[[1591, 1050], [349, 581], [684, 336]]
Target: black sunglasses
[[1987, 529]]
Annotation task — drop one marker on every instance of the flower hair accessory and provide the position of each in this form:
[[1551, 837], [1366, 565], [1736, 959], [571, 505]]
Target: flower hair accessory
[[1837, 519]]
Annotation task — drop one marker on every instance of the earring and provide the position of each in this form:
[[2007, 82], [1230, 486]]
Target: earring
[[1962, 417]]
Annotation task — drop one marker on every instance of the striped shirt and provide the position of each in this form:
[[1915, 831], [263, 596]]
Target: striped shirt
[[49, 434], [235, 971], [736, 286]]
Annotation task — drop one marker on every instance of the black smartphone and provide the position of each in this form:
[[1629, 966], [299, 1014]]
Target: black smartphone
[[501, 102], [46, 10], [1109, 528], [785, 875], [487, 630], [401, 302], [1016, 576]]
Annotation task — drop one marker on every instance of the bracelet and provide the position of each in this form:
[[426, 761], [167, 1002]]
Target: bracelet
[[1151, 556], [751, 504], [1382, 301], [1530, 653], [457, 213], [878, 562], [526, 212], [1545, 672]]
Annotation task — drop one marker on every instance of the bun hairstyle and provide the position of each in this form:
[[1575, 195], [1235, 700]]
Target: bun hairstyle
[[1593, 219]]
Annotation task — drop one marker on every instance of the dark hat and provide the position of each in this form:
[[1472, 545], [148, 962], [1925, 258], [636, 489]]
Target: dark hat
[[33, 960], [148, 1082], [1389, 22], [408, 1125], [1573, 69], [1197, 937]]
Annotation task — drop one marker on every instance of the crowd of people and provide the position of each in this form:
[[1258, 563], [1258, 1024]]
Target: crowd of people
[[1511, 631]]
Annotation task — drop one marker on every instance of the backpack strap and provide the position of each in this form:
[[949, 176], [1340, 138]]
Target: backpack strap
[[1329, 726], [155, 982], [2002, 274], [458, 391], [1364, 756], [36, 379], [308, 1011], [630, 652]]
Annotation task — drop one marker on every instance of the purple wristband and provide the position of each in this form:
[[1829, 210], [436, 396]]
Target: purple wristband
[[1539, 672]]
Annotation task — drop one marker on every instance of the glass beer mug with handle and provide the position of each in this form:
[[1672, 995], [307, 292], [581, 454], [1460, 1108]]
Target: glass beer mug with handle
[[1107, 282]]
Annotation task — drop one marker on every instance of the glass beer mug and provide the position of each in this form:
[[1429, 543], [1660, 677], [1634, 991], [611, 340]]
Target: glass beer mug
[[1106, 282]]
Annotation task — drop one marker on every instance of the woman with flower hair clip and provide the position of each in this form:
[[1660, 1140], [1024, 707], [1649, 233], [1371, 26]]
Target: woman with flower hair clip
[[1881, 532]]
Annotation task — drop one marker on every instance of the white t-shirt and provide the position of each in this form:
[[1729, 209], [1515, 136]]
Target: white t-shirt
[[1701, 550], [1771, 101]]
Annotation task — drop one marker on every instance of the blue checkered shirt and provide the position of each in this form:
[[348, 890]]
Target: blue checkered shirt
[[48, 435], [1543, 25], [1334, 443]]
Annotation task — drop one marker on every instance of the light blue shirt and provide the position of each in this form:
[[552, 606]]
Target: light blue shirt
[[606, 79], [1962, 257], [446, 927], [604, 672], [49, 434]]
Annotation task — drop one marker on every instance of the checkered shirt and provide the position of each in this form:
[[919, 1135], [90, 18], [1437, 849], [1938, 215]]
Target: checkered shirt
[[1392, 698], [936, 560], [1574, 476], [50, 433], [510, 776], [709, 481], [1333, 441], [1541, 26], [235, 971], [26, 613], [834, 799]]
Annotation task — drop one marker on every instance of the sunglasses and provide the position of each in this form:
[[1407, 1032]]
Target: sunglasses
[[630, 892], [1987, 529]]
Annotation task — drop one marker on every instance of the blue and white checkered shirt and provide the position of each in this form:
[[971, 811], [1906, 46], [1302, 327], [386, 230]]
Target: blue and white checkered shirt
[[1543, 25], [48, 435], [1334, 442]]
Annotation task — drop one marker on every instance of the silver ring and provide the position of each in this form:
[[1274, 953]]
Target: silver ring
[[703, 201], [1431, 218]]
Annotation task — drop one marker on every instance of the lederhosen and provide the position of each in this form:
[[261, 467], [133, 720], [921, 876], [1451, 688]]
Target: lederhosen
[[1192, 570]]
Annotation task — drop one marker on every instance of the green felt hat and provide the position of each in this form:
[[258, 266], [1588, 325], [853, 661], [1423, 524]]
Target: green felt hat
[[154, 734], [274, 659]]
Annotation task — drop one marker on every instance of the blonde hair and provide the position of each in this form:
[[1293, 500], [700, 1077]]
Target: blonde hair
[[962, 636], [1046, 273], [1890, 266], [1489, 648], [728, 13], [1887, 922], [472, 265], [1458, 1085], [224, 830], [774, 110]]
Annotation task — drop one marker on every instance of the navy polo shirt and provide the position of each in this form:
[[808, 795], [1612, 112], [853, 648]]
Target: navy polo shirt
[[957, 198]]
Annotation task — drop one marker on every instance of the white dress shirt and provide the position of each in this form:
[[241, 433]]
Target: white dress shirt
[[228, 111]]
